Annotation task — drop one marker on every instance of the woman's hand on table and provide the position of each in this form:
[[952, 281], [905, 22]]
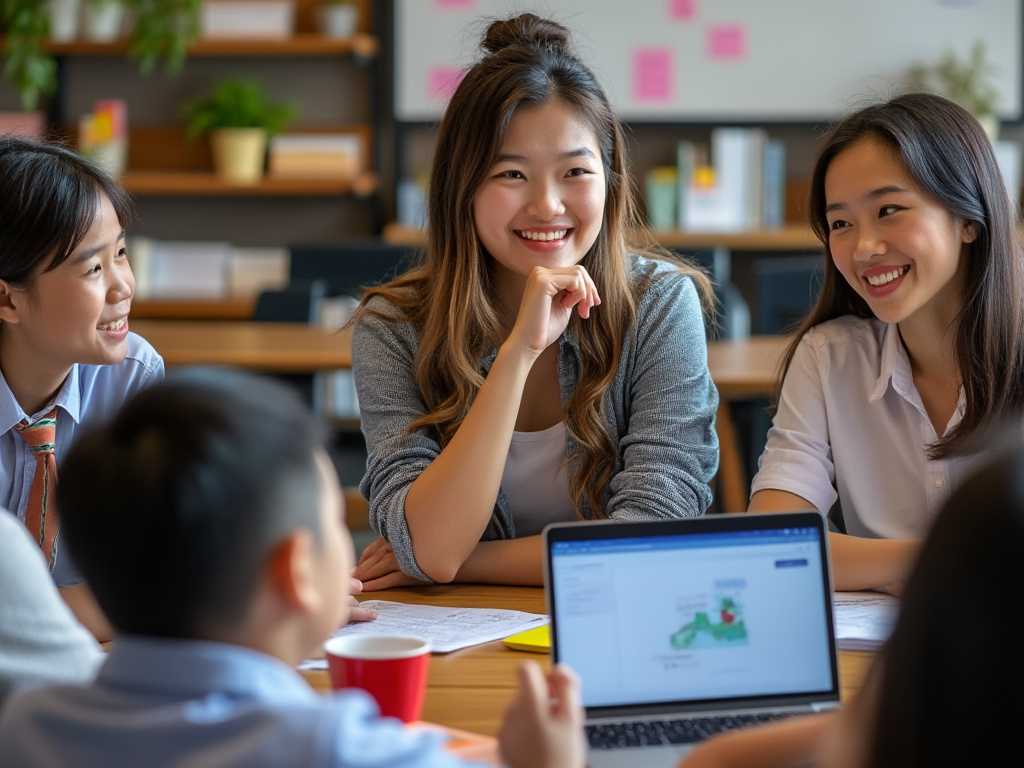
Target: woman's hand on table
[[355, 611], [378, 569]]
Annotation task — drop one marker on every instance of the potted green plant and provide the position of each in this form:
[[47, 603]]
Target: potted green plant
[[968, 82], [239, 118], [162, 29], [30, 68]]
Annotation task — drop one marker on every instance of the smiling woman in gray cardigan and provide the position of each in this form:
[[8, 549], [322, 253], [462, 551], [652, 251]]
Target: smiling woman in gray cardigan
[[544, 363]]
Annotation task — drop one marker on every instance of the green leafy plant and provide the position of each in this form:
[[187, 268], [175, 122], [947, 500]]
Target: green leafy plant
[[968, 81], [29, 67], [163, 29], [236, 103]]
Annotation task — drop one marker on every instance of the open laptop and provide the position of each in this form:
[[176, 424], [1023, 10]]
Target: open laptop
[[680, 628]]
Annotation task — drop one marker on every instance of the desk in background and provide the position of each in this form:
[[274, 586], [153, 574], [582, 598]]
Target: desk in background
[[470, 689], [265, 347], [740, 368], [232, 308]]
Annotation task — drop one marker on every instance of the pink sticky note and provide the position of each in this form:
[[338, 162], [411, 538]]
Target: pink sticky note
[[456, 4], [727, 41], [682, 10], [442, 82], [652, 74]]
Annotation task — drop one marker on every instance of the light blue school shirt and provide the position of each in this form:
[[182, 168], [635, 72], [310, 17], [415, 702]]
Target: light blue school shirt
[[89, 392], [162, 702]]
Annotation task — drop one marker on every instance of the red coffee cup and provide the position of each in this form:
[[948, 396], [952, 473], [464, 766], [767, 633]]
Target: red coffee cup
[[391, 669]]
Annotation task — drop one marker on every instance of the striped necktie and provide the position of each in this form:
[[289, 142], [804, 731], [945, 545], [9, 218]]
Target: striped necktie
[[41, 514]]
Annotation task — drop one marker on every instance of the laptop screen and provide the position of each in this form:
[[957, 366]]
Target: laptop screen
[[722, 607]]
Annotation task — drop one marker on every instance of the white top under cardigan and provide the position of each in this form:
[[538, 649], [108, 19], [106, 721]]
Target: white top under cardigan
[[536, 480], [851, 425]]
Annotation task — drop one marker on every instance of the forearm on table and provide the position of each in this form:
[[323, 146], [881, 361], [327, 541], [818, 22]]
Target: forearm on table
[[449, 505], [507, 561], [786, 744], [857, 562], [88, 612], [860, 563]]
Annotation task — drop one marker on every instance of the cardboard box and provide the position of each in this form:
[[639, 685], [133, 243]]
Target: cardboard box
[[315, 155], [247, 19]]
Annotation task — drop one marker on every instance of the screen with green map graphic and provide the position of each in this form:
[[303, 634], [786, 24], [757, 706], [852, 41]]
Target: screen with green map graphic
[[712, 621]]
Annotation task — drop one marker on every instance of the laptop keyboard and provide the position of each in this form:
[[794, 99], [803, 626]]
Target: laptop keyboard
[[683, 731]]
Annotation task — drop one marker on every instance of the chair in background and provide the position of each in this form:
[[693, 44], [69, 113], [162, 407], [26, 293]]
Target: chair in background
[[298, 302], [346, 268], [732, 321], [732, 314], [351, 265], [786, 287]]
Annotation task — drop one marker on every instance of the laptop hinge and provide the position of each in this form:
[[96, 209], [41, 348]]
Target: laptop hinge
[[824, 706]]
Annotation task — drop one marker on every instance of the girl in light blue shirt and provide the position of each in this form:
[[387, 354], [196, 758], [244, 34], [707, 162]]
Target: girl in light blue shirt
[[65, 294]]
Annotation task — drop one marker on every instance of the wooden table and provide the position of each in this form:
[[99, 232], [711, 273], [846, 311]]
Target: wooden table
[[742, 368], [470, 689], [267, 347]]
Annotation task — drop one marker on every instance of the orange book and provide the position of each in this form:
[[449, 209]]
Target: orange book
[[465, 744]]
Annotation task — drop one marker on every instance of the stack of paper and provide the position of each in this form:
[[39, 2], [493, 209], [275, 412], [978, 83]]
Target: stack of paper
[[864, 620], [448, 629]]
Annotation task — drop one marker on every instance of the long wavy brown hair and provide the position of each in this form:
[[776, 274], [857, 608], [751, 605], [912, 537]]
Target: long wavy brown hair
[[452, 299], [948, 153]]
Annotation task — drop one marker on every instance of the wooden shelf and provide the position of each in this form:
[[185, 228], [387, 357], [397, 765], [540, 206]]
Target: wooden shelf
[[360, 44], [205, 183], [794, 237], [229, 308]]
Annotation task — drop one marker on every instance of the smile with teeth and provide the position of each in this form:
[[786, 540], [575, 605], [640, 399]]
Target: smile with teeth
[[887, 277], [557, 234], [114, 326]]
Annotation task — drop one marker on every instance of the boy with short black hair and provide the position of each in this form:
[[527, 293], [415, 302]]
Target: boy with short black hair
[[206, 517]]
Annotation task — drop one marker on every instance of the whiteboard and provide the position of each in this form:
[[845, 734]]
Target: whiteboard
[[717, 60]]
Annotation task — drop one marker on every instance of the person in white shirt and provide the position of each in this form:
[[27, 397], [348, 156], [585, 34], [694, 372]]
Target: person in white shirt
[[40, 640], [915, 347]]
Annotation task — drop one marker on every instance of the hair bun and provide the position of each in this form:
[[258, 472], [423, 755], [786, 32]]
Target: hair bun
[[527, 29]]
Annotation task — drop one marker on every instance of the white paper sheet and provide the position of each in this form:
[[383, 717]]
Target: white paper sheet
[[864, 620], [447, 628]]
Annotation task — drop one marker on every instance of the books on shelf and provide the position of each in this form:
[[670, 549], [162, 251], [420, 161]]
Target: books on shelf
[[315, 155], [252, 270], [742, 189], [203, 269]]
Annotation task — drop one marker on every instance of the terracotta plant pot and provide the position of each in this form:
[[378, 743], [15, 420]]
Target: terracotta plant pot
[[239, 154]]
